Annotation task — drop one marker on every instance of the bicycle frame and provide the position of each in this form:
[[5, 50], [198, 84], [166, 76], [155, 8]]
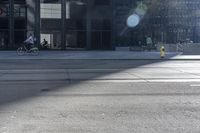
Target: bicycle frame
[[24, 49]]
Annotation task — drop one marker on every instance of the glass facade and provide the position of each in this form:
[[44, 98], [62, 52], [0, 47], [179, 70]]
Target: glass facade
[[4, 26], [50, 13], [18, 26], [97, 24], [166, 21], [65, 24], [82, 23]]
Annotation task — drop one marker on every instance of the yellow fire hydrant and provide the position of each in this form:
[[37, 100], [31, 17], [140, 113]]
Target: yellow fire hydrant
[[162, 52]]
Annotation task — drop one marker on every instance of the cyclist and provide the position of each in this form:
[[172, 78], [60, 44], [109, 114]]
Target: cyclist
[[44, 44], [29, 42]]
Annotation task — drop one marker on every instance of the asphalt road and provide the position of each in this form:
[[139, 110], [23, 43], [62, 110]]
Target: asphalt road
[[103, 96]]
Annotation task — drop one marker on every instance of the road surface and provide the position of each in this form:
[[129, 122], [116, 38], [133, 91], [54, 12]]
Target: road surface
[[101, 96]]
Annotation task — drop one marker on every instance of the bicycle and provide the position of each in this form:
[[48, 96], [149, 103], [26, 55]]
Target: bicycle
[[24, 50]]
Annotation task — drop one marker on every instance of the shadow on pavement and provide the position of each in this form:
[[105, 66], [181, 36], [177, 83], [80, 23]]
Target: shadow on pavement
[[16, 91]]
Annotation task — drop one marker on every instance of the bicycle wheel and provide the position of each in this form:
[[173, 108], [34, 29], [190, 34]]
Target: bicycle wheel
[[20, 51], [35, 51]]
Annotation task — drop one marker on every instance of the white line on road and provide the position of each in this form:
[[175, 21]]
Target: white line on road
[[195, 85], [145, 81]]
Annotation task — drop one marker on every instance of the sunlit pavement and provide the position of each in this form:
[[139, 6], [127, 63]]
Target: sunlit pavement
[[117, 55], [87, 96], [98, 55]]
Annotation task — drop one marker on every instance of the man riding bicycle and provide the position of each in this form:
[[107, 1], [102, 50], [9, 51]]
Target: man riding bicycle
[[29, 42], [28, 47]]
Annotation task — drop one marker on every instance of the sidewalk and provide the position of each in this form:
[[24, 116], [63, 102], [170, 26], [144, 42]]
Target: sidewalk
[[99, 55]]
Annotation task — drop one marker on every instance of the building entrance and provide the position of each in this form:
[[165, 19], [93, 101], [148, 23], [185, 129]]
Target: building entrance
[[52, 38]]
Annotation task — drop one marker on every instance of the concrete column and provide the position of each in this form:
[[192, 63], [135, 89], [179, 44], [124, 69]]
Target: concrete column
[[31, 5], [11, 24], [88, 24], [63, 24], [37, 22], [113, 26]]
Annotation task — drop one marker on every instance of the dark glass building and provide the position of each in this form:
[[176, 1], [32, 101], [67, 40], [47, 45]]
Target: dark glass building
[[97, 24], [65, 24], [166, 21], [12, 23]]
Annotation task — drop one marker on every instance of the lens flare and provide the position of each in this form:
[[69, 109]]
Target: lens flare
[[141, 9], [133, 20]]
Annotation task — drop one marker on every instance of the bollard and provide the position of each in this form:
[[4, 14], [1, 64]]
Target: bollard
[[162, 52]]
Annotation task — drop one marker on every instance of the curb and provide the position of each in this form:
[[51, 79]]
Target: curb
[[90, 59], [102, 56]]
